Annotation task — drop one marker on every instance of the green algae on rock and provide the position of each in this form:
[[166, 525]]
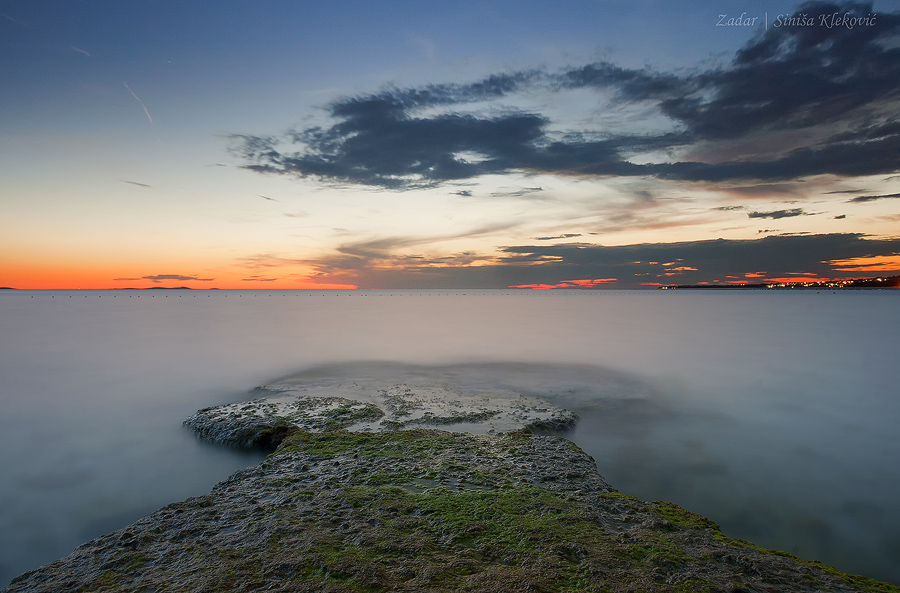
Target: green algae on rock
[[426, 510]]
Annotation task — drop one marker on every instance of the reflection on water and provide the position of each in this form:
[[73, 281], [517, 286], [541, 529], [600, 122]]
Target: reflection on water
[[772, 413]]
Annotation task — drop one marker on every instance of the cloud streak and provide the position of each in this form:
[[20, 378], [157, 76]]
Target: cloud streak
[[144, 107], [136, 183], [164, 277], [779, 213], [860, 199]]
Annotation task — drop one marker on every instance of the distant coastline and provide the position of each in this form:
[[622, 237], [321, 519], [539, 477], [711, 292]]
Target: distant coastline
[[853, 283]]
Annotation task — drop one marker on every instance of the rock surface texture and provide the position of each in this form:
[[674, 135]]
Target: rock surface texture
[[374, 404], [378, 509]]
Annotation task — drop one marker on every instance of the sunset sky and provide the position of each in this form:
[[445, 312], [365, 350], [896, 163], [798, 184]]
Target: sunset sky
[[307, 144]]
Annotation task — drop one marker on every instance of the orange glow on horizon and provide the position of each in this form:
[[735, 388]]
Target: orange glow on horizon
[[798, 279], [60, 277], [876, 263], [569, 284]]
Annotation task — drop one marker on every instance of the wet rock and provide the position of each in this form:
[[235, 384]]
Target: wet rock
[[372, 404]]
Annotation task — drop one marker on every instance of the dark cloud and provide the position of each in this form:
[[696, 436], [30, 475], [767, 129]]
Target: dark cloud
[[873, 198], [136, 183], [797, 76], [788, 80], [565, 236], [778, 213], [161, 277], [381, 264], [840, 217]]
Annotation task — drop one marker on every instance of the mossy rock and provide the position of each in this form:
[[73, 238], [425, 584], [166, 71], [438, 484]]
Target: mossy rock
[[427, 510]]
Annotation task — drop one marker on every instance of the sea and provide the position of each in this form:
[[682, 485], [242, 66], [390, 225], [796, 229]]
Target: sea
[[775, 413]]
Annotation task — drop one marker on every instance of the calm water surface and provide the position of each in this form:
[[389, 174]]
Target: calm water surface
[[774, 413]]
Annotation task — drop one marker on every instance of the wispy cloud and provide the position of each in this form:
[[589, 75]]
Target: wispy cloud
[[269, 260], [426, 45], [150, 119], [81, 51], [11, 19]]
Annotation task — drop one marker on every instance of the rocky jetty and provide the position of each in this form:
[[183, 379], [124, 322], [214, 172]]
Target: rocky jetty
[[359, 497]]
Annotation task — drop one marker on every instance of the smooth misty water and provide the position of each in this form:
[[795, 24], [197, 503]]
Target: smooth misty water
[[774, 413]]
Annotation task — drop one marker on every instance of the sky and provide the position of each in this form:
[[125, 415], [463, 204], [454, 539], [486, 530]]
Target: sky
[[489, 144]]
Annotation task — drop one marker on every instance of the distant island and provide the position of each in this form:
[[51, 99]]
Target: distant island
[[855, 283]]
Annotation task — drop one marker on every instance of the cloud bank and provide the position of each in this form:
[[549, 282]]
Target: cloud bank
[[163, 277], [389, 264], [829, 96]]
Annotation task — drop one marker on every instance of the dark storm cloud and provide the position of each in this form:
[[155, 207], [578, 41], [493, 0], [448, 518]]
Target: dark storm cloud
[[787, 79], [778, 213], [873, 198]]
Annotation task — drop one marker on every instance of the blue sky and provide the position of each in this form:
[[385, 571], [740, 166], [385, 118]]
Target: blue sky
[[481, 144]]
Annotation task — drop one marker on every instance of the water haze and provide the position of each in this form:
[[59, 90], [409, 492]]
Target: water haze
[[772, 412]]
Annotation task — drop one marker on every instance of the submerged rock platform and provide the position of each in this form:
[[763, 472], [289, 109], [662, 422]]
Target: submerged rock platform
[[359, 497], [371, 403]]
